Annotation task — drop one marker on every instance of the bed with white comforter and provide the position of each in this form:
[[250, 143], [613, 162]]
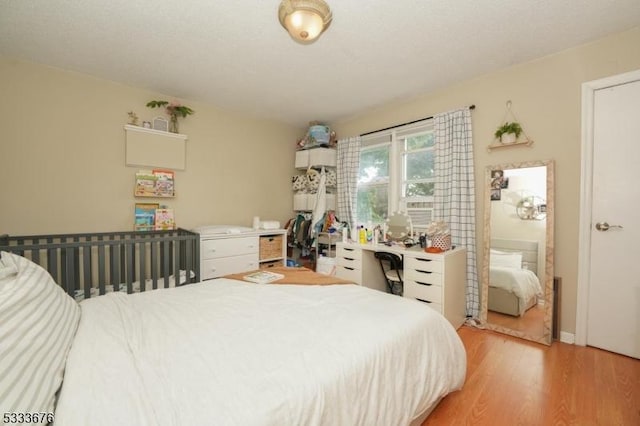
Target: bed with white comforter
[[521, 282], [225, 352]]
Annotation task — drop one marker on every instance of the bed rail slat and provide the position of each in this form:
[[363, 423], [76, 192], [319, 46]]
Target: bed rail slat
[[102, 276], [142, 251], [130, 254], [86, 269], [166, 260]]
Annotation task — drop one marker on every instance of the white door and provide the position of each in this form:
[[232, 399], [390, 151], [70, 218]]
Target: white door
[[613, 321]]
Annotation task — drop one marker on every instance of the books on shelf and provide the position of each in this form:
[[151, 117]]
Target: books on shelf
[[145, 184], [153, 217], [164, 183], [145, 215], [262, 277], [164, 219], [155, 183]]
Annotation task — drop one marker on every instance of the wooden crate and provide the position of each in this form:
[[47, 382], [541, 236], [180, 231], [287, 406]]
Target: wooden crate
[[270, 247]]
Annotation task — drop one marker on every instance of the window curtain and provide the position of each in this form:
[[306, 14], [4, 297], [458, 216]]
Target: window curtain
[[454, 191], [347, 168]]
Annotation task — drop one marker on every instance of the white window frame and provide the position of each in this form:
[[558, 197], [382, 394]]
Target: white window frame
[[397, 164]]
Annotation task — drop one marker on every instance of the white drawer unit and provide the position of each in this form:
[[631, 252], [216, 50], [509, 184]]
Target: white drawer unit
[[224, 247], [214, 268], [223, 253], [355, 264], [438, 280]]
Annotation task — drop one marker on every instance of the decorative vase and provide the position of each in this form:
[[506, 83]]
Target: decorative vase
[[508, 138], [173, 124]]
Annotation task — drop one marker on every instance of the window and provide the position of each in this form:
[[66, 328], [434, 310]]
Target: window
[[373, 183], [397, 173], [418, 177]]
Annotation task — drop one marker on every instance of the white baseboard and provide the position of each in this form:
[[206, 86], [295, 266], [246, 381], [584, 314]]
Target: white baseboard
[[567, 337]]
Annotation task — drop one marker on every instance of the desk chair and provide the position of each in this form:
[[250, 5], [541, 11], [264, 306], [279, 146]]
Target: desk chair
[[391, 265]]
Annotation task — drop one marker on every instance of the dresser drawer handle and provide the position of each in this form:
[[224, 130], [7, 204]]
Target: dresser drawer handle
[[349, 249], [346, 267], [421, 283], [349, 258], [424, 272], [424, 260], [423, 300]]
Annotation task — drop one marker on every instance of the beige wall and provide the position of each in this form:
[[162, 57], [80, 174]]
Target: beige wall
[[546, 97], [62, 163], [62, 147]]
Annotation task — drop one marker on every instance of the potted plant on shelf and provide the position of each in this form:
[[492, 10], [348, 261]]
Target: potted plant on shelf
[[509, 132], [173, 109]]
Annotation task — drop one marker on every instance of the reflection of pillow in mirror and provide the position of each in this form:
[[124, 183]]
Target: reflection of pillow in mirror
[[506, 260], [494, 251]]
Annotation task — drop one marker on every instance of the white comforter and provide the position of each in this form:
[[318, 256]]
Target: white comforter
[[226, 352], [521, 282]]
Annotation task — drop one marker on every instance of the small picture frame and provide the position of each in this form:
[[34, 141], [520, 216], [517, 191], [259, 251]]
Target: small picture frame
[[161, 124], [495, 195], [146, 124], [497, 179], [505, 183]]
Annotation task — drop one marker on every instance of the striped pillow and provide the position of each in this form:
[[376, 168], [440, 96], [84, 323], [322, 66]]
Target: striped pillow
[[38, 321]]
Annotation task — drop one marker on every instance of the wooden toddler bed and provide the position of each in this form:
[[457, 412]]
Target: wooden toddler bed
[[221, 352]]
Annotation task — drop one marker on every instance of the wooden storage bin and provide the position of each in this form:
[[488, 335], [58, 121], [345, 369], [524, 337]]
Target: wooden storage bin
[[270, 247], [270, 264]]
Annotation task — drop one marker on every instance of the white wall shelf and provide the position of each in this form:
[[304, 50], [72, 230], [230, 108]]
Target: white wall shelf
[[154, 148]]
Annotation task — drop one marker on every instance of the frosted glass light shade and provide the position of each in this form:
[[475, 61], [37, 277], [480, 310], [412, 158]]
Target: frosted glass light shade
[[305, 20]]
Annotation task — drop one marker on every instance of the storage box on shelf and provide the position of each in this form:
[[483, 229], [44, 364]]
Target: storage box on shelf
[[316, 158], [272, 250]]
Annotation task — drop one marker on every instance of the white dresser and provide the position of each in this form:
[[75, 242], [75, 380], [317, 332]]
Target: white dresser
[[435, 279], [234, 250]]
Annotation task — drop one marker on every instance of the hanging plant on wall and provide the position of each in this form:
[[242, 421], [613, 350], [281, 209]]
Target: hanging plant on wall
[[173, 110], [509, 132]]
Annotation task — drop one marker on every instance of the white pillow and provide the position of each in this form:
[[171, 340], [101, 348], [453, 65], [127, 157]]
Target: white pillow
[[8, 271], [506, 260], [38, 321]]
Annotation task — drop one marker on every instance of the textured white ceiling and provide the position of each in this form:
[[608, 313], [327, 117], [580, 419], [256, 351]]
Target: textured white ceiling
[[234, 54]]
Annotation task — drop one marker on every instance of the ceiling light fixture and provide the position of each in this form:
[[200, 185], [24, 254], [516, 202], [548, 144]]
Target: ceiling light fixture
[[305, 20]]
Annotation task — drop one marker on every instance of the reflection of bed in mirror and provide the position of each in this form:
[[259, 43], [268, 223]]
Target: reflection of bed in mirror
[[514, 286]]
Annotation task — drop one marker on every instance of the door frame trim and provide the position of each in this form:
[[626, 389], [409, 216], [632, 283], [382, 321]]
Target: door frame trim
[[586, 202]]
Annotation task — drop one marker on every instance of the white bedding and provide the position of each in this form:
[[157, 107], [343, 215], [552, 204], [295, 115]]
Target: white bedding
[[232, 353], [521, 282]]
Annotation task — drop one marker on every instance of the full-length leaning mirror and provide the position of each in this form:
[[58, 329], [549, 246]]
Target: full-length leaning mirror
[[517, 271]]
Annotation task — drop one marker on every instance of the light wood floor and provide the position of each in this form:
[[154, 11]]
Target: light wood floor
[[532, 322], [515, 382]]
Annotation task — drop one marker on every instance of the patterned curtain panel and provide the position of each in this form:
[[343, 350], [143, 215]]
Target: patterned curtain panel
[[348, 163], [454, 191]]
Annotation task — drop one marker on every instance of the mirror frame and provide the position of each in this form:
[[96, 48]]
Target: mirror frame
[[546, 337]]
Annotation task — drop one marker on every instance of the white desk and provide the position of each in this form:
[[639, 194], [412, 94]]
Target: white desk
[[435, 279]]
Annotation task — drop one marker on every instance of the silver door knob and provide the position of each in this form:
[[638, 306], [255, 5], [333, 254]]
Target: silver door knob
[[604, 226]]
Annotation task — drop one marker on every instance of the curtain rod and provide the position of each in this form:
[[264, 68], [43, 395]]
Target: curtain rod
[[404, 124]]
